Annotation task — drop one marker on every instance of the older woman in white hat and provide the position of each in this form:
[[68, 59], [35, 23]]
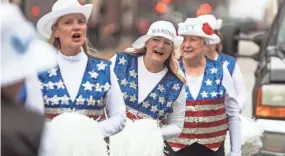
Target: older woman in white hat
[[212, 108], [214, 52], [20, 59], [79, 83], [149, 79]]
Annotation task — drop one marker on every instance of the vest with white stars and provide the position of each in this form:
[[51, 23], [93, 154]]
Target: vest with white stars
[[158, 104], [228, 61], [90, 97], [205, 118]]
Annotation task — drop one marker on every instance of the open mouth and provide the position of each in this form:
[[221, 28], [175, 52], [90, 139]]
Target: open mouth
[[158, 52], [189, 51], [76, 36]]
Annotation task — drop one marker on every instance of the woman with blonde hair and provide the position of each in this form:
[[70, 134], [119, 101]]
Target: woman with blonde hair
[[149, 79], [79, 83]]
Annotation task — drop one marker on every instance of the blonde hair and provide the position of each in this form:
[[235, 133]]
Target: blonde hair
[[87, 47], [171, 62]]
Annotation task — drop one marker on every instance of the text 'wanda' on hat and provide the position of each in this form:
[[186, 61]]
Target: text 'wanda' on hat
[[159, 28]]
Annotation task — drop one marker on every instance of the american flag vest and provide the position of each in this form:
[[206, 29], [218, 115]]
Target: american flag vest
[[205, 118], [90, 97], [228, 61], [158, 103]]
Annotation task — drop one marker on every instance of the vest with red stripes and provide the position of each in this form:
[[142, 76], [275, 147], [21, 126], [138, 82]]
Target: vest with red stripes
[[205, 118]]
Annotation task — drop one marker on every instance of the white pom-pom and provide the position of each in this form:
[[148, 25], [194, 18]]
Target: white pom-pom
[[73, 135], [251, 135], [119, 142], [141, 138], [148, 140]]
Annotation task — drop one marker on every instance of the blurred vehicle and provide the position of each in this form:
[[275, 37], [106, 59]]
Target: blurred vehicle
[[242, 23], [269, 90]]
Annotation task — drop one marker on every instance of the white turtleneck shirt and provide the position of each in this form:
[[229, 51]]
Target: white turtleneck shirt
[[72, 69]]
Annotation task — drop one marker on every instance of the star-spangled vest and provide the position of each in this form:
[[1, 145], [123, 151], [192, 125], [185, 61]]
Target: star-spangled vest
[[205, 118], [158, 103], [90, 97], [228, 61]]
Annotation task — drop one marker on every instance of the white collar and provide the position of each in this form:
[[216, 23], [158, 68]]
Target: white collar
[[217, 56], [79, 57]]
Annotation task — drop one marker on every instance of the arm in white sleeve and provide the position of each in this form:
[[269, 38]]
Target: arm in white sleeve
[[239, 87], [175, 120], [232, 110], [113, 62], [115, 108], [34, 98]]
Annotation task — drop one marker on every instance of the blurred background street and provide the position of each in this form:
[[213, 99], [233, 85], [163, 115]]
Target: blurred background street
[[253, 32]]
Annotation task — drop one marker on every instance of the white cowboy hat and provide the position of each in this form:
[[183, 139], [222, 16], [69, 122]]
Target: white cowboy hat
[[61, 8], [193, 26], [21, 53], [159, 28], [216, 24]]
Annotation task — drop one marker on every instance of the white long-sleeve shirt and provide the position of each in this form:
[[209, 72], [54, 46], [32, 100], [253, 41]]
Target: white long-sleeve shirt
[[146, 82], [34, 99], [239, 85], [115, 105], [231, 107]]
